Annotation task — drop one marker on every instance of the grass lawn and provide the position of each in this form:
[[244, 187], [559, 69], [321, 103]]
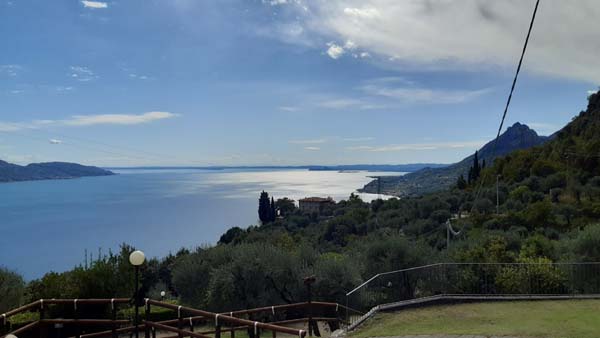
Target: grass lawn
[[566, 318]]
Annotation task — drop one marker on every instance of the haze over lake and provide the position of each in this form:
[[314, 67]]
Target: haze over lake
[[47, 225]]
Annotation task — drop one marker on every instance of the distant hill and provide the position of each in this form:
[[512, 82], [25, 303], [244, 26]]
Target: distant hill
[[408, 168], [427, 180], [47, 171]]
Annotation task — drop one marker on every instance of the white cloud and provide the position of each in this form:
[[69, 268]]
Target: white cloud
[[10, 70], [334, 51], [424, 95], [312, 148], [362, 13], [123, 119], [358, 139], [83, 74], [310, 141], [418, 146], [289, 108], [340, 103], [7, 126], [275, 2], [94, 4], [89, 120], [54, 141], [463, 34]]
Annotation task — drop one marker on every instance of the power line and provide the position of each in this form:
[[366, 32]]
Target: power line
[[512, 89]]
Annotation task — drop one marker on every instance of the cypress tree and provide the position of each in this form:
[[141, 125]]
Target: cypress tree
[[461, 183], [264, 208], [476, 167], [273, 212]]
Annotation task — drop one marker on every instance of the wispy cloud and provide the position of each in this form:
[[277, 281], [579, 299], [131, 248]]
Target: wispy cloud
[[346, 103], [312, 148], [139, 77], [418, 146], [289, 108], [412, 94], [358, 139], [55, 141], [309, 141], [11, 70], [123, 119], [81, 73], [89, 120], [94, 4]]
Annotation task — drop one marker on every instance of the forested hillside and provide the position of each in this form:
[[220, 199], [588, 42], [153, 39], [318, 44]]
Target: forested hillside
[[549, 211], [47, 171], [428, 180]]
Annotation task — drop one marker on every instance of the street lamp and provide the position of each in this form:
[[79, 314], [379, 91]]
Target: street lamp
[[162, 295], [136, 259]]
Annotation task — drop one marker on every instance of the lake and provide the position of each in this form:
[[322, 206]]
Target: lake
[[47, 225]]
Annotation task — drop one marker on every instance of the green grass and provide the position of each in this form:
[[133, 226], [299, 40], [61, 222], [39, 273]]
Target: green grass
[[556, 319]]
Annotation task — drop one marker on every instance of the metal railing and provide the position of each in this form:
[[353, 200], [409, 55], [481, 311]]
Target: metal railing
[[477, 279]]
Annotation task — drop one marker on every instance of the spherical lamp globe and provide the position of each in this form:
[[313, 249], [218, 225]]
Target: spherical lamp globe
[[137, 258]]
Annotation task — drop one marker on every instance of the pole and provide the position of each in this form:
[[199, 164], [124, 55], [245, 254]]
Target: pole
[[137, 318], [307, 282]]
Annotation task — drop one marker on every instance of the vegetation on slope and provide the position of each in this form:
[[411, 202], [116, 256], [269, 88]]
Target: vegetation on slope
[[549, 210], [47, 171], [428, 180]]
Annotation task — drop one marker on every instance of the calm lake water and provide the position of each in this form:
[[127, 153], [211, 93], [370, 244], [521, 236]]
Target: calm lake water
[[47, 225]]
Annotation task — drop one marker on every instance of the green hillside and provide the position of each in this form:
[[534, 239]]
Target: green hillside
[[549, 212]]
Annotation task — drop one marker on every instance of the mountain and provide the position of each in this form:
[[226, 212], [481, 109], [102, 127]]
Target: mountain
[[47, 171], [427, 180]]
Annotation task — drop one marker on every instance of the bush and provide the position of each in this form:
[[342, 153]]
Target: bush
[[538, 278], [12, 288]]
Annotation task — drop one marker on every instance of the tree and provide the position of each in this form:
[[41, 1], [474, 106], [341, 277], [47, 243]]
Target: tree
[[475, 170], [232, 235], [264, 208], [285, 206], [273, 213], [461, 183], [12, 288]]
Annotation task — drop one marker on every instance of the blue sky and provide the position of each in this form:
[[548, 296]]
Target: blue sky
[[283, 82]]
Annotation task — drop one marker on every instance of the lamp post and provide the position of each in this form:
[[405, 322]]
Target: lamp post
[[136, 259], [162, 295], [308, 281]]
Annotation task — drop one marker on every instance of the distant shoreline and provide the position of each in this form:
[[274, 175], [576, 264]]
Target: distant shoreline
[[362, 167]]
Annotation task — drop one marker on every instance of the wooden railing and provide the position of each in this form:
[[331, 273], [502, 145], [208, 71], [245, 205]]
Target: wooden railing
[[189, 322], [42, 307]]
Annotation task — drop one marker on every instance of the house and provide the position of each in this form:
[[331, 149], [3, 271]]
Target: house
[[314, 204]]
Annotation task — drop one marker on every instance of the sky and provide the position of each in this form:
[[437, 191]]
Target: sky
[[284, 82]]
